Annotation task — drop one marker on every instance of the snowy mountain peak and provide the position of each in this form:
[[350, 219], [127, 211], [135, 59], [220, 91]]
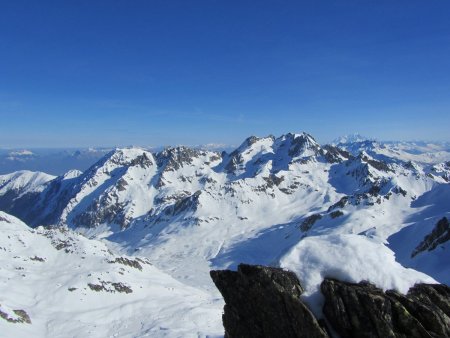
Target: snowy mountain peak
[[254, 144], [24, 182], [256, 155], [351, 138], [173, 158], [130, 157], [302, 145], [247, 155], [72, 174]]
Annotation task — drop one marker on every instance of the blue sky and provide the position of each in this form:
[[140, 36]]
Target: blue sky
[[104, 73]]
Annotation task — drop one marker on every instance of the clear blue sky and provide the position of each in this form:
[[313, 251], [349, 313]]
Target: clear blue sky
[[102, 73]]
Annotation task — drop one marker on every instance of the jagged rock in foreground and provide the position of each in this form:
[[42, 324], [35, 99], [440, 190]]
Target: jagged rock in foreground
[[363, 310], [264, 302]]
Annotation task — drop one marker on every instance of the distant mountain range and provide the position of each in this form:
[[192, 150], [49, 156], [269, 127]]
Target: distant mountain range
[[356, 210], [57, 161]]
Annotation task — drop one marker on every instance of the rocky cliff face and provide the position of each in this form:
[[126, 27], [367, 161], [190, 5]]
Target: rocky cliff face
[[362, 310], [265, 302], [439, 235]]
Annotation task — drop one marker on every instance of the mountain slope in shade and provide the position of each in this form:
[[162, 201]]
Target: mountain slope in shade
[[70, 286]]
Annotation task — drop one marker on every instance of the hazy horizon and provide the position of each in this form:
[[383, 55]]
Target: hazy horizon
[[208, 145]]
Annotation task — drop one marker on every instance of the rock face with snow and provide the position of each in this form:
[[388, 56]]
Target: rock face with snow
[[265, 302], [439, 235]]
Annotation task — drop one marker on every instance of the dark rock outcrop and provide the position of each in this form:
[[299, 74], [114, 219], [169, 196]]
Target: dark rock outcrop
[[20, 316], [363, 310], [309, 222], [173, 158], [264, 302], [333, 154], [439, 235], [300, 143], [377, 164]]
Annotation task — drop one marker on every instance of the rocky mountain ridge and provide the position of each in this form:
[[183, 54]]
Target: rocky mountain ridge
[[102, 194]]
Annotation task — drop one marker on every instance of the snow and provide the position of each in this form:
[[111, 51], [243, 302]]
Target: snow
[[52, 287], [429, 208], [188, 211], [350, 258], [24, 181], [348, 139], [435, 263], [420, 152], [72, 174]]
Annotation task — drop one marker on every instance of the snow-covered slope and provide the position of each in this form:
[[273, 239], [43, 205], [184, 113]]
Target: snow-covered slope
[[57, 283], [270, 201], [24, 182]]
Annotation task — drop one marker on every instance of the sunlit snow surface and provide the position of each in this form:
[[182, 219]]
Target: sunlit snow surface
[[51, 285], [350, 258], [189, 212]]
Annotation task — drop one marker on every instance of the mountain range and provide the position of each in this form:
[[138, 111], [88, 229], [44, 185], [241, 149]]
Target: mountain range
[[355, 210]]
